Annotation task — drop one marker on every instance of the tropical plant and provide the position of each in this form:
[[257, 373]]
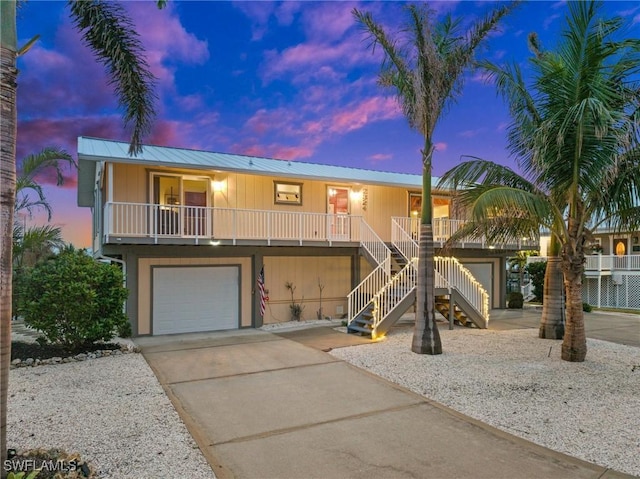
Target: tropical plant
[[108, 32], [516, 300], [31, 246], [426, 72], [74, 300], [575, 135], [296, 309], [30, 168], [537, 273]]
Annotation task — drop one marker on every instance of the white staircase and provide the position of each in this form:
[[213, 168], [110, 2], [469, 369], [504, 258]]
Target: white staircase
[[382, 298]]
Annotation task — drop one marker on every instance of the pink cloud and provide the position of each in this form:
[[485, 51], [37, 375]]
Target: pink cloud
[[292, 152], [166, 41], [441, 146], [355, 116], [380, 157], [328, 20], [313, 54]]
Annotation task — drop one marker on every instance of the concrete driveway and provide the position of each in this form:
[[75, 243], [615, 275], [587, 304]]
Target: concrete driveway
[[262, 405]]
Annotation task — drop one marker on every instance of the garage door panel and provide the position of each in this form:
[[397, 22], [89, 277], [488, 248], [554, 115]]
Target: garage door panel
[[192, 299], [483, 273]]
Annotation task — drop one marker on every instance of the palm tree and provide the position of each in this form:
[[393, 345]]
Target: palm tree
[[108, 32], [575, 133], [30, 168], [426, 73]]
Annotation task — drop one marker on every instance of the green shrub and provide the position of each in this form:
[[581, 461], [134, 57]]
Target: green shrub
[[586, 307], [516, 300], [73, 299], [536, 273]]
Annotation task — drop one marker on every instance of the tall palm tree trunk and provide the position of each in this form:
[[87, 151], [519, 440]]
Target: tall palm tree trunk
[[553, 314], [426, 337], [574, 346], [8, 73]]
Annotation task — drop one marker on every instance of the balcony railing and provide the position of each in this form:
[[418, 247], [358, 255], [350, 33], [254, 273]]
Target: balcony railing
[[603, 263], [205, 223], [444, 228]]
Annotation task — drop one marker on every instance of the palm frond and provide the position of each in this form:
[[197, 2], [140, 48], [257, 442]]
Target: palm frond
[[48, 159], [109, 33]]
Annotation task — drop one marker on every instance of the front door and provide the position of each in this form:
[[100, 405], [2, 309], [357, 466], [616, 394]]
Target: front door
[[338, 209], [195, 202]]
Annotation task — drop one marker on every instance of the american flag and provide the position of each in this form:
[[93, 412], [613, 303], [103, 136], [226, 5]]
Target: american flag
[[263, 296]]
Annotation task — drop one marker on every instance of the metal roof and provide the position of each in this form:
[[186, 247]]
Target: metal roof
[[92, 150]]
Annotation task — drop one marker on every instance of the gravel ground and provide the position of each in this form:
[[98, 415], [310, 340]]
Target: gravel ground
[[111, 410], [510, 380]]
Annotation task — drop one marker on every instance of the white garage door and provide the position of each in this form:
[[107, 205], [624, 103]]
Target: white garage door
[[192, 299], [483, 272]]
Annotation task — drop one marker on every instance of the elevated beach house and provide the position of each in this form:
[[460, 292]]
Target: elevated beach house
[[214, 241], [612, 270]]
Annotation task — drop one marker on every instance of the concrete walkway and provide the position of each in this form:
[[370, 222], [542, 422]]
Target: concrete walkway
[[263, 405], [621, 328]]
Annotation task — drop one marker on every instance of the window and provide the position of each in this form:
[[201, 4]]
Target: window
[[287, 193], [440, 206]]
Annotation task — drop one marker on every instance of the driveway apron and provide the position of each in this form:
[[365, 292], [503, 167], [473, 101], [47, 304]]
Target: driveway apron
[[261, 405]]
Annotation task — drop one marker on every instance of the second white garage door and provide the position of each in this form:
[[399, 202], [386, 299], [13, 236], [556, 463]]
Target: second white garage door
[[192, 299], [483, 272]]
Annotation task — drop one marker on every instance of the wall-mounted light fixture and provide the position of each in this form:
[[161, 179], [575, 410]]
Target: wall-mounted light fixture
[[219, 186], [355, 195]]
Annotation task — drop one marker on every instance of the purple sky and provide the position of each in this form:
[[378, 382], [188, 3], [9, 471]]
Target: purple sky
[[291, 80]]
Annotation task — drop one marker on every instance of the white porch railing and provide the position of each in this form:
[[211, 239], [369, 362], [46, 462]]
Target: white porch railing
[[201, 223], [444, 228], [603, 263]]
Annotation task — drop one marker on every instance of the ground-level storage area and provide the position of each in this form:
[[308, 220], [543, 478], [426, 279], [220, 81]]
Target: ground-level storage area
[[189, 299], [186, 295], [185, 289]]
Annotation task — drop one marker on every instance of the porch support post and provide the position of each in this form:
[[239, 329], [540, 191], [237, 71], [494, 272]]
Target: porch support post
[[599, 288]]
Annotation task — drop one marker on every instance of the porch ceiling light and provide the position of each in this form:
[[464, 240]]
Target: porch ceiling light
[[219, 186], [214, 243]]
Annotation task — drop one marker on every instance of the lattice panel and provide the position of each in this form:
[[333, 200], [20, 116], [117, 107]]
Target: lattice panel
[[590, 291], [633, 283], [625, 295]]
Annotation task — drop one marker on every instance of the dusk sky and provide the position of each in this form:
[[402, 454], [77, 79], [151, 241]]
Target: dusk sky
[[290, 80]]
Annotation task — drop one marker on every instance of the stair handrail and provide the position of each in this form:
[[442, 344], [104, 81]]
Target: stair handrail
[[403, 241], [371, 242], [454, 274], [463, 280], [386, 299], [360, 297]]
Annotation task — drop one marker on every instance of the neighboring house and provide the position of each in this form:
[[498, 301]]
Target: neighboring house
[[193, 229], [612, 272]]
